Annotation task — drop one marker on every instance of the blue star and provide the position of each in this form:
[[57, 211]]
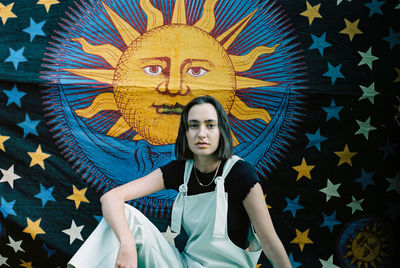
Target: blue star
[[45, 195], [330, 221], [35, 29], [293, 205], [388, 149], [375, 7], [50, 252], [319, 43], [7, 208], [293, 262], [14, 96], [315, 140], [393, 211], [98, 218], [393, 38], [333, 72], [332, 111], [366, 179], [29, 126], [16, 57]]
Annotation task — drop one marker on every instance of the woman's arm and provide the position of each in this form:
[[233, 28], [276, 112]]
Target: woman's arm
[[257, 210], [112, 204]]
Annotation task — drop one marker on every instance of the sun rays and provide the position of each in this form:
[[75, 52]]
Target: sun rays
[[211, 71]]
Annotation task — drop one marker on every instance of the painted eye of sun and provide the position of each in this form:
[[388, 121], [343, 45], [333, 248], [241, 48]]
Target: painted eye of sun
[[197, 71], [153, 70], [139, 92]]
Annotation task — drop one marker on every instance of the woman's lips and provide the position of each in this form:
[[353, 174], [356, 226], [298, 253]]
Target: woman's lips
[[202, 145]]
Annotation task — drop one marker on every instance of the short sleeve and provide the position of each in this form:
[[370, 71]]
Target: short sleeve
[[173, 174], [244, 178]]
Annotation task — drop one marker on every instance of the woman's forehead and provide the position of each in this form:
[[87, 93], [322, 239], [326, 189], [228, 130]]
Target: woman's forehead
[[203, 112]]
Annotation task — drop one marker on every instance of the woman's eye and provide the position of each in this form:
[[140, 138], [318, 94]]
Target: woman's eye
[[211, 125], [196, 71], [153, 70], [193, 126]]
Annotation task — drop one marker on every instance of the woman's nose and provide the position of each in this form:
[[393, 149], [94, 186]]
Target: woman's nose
[[202, 131]]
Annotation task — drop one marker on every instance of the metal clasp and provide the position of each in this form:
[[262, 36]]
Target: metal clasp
[[183, 188]]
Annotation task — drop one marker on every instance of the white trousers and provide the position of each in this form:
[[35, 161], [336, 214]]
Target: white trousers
[[101, 248]]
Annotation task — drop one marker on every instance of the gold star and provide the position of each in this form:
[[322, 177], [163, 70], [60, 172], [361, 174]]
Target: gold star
[[33, 228], [302, 239], [78, 196], [26, 264], [345, 156], [397, 80], [5, 12], [3, 139], [47, 3], [258, 265], [351, 28], [311, 12], [38, 157], [303, 170], [265, 197]]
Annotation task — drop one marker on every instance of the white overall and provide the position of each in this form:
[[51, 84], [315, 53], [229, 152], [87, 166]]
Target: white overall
[[203, 217]]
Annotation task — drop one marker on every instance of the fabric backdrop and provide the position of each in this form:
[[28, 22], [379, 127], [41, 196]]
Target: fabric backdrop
[[90, 96]]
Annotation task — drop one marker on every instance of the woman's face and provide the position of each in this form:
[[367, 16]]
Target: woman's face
[[203, 131]]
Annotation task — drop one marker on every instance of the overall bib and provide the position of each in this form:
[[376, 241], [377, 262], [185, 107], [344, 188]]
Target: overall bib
[[203, 217]]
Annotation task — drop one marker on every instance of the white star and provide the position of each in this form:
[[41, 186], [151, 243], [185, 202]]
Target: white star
[[9, 176], [355, 204], [16, 245], [74, 232], [330, 190], [328, 263], [170, 236], [3, 261], [394, 183]]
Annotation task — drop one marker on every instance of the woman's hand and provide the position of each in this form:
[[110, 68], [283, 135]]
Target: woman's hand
[[127, 256]]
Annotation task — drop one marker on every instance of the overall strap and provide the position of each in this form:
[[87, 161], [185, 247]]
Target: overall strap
[[221, 210], [177, 209]]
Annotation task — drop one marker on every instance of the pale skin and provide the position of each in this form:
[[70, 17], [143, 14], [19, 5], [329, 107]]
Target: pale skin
[[203, 137]]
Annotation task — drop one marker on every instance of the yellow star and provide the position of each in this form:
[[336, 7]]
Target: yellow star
[[345, 156], [78, 196], [265, 197], [47, 3], [38, 157], [33, 228], [2, 140], [311, 12], [351, 28], [303, 170], [258, 265], [397, 80], [5, 12], [302, 239], [26, 264]]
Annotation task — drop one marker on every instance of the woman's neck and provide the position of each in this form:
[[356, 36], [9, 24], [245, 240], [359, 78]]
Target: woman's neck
[[206, 164]]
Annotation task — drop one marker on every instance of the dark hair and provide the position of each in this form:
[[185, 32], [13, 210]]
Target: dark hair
[[225, 146]]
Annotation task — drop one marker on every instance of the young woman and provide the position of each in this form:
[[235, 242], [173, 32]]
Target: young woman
[[220, 206]]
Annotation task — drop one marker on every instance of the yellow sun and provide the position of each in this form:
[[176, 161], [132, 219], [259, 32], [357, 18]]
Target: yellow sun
[[166, 67], [367, 247]]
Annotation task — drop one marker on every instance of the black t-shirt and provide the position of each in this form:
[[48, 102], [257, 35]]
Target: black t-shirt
[[238, 183]]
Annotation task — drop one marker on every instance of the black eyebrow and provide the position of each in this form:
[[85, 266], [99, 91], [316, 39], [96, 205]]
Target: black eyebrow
[[206, 121]]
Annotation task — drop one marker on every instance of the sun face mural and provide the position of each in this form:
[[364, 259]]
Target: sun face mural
[[120, 73], [365, 243], [153, 82]]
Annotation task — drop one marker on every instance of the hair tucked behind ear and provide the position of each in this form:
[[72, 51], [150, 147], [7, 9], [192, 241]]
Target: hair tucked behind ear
[[225, 146]]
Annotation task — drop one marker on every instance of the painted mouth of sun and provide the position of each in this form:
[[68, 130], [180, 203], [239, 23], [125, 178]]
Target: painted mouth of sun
[[169, 109], [155, 21]]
